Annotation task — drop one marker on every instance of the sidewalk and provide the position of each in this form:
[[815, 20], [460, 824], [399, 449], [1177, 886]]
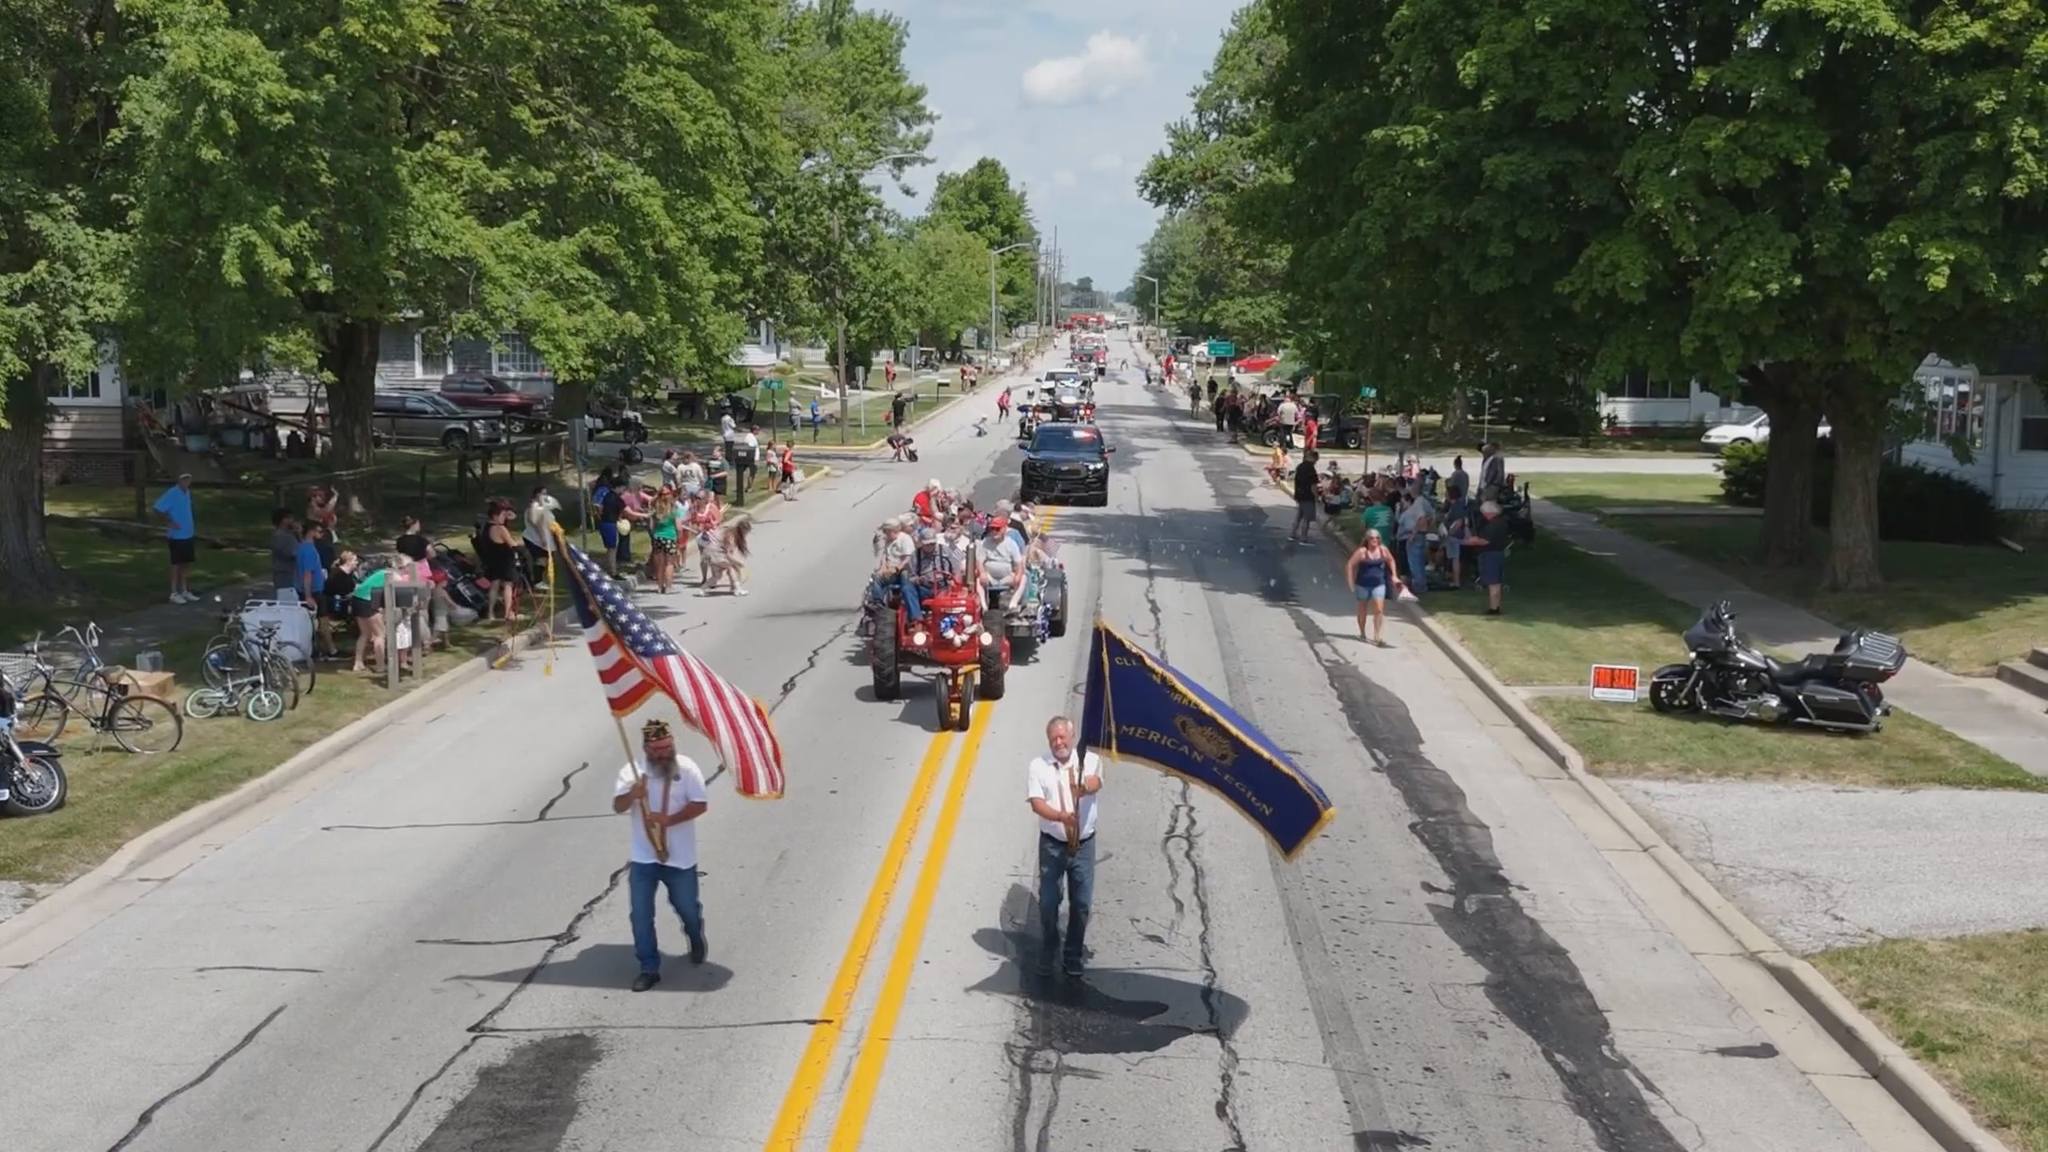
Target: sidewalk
[[1978, 713]]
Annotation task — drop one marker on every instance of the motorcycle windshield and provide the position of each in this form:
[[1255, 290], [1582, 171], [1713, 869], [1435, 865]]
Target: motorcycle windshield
[[1706, 636]]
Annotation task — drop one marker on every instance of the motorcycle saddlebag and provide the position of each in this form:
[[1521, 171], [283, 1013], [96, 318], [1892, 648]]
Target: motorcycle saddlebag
[[1831, 705], [1867, 656]]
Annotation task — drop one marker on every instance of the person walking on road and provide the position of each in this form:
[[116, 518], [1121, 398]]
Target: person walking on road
[[665, 792], [175, 506], [1062, 790], [1306, 484], [1370, 572]]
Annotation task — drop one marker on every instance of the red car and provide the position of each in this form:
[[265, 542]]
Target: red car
[[478, 392]]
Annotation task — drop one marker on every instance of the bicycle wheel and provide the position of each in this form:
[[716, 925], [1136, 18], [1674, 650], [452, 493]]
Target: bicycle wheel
[[263, 705], [205, 703], [42, 717], [279, 674], [302, 665], [224, 662], [145, 724]]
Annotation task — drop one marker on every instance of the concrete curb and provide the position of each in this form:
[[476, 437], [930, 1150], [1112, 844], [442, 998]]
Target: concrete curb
[[1916, 1090], [194, 822]]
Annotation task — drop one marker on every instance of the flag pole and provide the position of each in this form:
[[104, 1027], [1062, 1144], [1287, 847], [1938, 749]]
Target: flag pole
[[548, 668]]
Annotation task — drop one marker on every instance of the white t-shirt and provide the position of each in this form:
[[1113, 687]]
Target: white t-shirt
[[1288, 413], [898, 550], [727, 427], [540, 519], [1049, 783], [687, 787], [690, 476]]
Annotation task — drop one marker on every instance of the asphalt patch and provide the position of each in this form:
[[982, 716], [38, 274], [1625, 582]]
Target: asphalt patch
[[523, 1103]]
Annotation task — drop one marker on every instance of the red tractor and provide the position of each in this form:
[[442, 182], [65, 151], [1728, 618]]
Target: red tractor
[[971, 657]]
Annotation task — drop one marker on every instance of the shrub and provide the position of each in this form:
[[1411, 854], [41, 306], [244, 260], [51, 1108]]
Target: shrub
[[1913, 503], [1742, 474]]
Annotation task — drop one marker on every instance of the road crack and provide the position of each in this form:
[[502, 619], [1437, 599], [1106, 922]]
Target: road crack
[[558, 797], [149, 1114], [483, 1028], [810, 664]]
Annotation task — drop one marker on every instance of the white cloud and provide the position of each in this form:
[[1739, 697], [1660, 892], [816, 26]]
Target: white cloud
[[1108, 65], [1063, 178], [1106, 162]]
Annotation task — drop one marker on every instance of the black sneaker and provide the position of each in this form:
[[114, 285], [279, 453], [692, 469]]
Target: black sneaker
[[700, 949], [646, 980]]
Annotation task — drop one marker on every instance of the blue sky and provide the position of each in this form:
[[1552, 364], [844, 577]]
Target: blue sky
[[1071, 95]]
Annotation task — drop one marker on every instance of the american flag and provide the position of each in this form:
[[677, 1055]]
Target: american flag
[[636, 658]]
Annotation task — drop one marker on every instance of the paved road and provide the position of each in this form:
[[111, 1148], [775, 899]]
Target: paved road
[[426, 949]]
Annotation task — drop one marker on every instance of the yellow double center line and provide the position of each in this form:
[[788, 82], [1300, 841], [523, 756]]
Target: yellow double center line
[[815, 1067]]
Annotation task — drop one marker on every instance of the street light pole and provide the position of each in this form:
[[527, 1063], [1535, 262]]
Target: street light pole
[[992, 297], [1155, 303]]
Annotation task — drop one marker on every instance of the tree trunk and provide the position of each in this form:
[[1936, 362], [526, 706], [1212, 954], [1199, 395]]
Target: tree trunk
[[27, 569], [1852, 564], [1787, 538], [1457, 422], [350, 358]]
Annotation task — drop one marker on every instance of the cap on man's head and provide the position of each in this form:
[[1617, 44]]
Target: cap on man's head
[[999, 523], [936, 486], [656, 732]]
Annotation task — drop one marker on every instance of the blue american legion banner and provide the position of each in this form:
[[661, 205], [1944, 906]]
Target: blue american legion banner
[[1139, 707]]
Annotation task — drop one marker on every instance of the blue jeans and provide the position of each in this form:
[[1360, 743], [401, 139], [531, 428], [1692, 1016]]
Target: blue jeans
[[1418, 563], [1078, 870], [912, 601], [641, 881]]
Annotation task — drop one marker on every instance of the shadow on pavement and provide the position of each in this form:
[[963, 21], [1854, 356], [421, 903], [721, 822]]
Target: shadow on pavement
[[1110, 1011], [613, 966]]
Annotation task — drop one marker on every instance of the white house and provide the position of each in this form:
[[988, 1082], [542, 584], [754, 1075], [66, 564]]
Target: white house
[[409, 357], [2000, 415], [1639, 402]]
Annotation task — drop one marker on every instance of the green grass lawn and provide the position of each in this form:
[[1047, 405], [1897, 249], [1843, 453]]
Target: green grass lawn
[[116, 796], [1974, 1010], [869, 411], [1620, 740], [1957, 607], [1567, 610], [1590, 492]]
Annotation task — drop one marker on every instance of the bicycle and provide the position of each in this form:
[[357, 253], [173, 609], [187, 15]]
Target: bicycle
[[141, 724], [228, 657], [258, 692]]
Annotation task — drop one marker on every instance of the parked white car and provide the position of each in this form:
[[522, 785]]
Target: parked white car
[[1755, 430]]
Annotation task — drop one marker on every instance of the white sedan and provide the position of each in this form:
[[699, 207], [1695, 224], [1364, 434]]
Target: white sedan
[[1754, 430]]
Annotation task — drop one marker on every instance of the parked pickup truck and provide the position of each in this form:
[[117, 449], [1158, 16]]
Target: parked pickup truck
[[478, 392]]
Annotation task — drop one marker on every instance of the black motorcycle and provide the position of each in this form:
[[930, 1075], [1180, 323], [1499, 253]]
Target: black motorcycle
[[1836, 690], [32, 780]]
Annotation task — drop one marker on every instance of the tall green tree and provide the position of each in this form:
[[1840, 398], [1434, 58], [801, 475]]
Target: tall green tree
[[946, 281], [848, 114], [1821, 194], [982, 200], [62, 176], [573, 172]]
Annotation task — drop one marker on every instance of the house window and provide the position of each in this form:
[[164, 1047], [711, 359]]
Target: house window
[[1952, 411], [84, 387], [2033, 418], [518, 358], [470, 355], [1638, 385]]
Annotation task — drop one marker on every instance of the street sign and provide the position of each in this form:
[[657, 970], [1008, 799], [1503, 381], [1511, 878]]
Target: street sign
[[1615, 682], [1221, 349], [1368, 392], [772, 383]]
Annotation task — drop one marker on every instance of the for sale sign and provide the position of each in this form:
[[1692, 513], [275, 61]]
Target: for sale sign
[[1616, 682]]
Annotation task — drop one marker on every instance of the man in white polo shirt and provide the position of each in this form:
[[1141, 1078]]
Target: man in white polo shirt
[[1062, 794], [665, 793]]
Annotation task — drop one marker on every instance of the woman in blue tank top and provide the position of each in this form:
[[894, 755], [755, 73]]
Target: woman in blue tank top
[[1370, 572]]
